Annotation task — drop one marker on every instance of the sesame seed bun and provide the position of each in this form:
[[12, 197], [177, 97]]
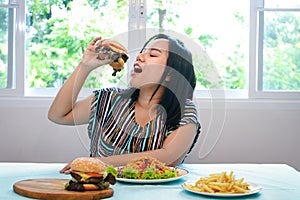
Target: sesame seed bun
[[87, 164], [116, 46]]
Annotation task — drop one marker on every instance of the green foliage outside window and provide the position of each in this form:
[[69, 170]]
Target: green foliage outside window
[[3, 47], [56, 42], [282, 51]]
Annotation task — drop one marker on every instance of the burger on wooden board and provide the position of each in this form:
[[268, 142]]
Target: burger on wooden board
[[113, 50], [90, 174]]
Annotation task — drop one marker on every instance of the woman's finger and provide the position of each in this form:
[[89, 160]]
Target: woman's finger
[[95, 40], [66, 169]]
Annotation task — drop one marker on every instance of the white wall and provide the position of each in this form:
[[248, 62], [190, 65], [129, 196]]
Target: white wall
[[240, 132]]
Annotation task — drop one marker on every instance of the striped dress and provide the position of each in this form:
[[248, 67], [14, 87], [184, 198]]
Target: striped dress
[[113, 130]]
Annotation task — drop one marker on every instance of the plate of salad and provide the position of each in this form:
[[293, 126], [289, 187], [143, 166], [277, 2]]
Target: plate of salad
[[149, 170]]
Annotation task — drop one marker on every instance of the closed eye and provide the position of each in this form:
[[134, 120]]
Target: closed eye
[[155, 52], [153, 55]]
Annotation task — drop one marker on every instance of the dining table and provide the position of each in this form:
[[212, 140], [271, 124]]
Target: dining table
[[276, 181]]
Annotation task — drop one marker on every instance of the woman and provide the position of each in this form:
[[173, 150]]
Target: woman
[[154, 117]]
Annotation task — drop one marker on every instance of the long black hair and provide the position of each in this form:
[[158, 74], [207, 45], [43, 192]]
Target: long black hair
[[182, 81]]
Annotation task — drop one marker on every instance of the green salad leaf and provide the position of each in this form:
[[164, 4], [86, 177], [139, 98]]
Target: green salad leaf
[[150, 173], [169, 174], [131, 173], [112, 170]]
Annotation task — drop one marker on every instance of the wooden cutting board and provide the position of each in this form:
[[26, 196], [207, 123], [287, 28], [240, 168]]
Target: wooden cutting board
[[49, 188]]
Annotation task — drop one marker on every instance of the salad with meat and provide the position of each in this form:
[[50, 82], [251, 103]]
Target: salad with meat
[[146, 168]]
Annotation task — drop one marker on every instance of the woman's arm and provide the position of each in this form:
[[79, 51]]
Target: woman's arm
[[174, 149], [65, 109]]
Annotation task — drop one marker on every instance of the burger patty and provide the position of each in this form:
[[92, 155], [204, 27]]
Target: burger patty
[[75, 186], [109, 178], [91, 179], [99, 183]]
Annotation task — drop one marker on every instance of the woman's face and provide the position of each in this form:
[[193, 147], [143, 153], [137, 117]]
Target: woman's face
[[150, 64]]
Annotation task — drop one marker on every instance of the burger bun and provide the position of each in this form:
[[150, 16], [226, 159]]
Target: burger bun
[[88, 164]]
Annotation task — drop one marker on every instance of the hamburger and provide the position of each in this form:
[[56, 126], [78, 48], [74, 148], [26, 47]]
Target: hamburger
[[90, 174], [113, 50]]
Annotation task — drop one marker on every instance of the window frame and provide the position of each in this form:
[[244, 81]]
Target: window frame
[[256, 34], [253, 92], [16, 49]]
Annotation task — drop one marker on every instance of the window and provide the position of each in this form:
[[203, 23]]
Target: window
[[220, 34], [11, 47], [240, 47], [7, 33], [4, 82], [57, 35], [278, 48]]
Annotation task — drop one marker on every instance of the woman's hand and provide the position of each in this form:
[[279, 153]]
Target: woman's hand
[[89, 59], [66, 169]]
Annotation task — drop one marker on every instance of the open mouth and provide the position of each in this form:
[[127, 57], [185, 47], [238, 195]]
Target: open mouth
[[137, 70]]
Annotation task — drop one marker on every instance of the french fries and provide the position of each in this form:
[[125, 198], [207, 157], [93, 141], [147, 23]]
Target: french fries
[[220, 183]]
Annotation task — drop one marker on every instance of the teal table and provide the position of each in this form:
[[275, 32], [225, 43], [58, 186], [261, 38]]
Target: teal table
[[279, 181]]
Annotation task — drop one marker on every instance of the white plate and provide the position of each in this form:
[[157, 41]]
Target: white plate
[[180, 172], [253, 190]]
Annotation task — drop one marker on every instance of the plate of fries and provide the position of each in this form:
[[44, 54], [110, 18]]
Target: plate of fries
[[221, 185]]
